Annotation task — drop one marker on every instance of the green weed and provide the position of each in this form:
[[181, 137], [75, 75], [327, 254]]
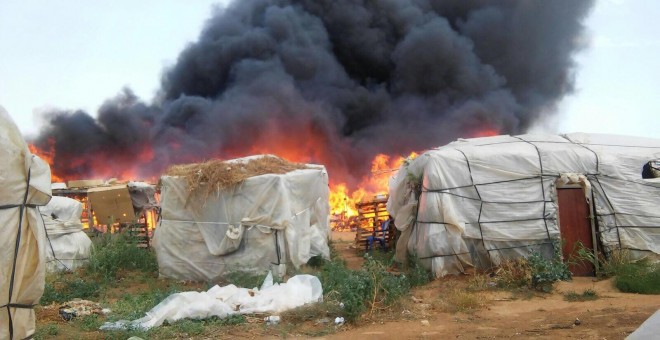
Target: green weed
[[642, 277], [66, 287], [46, 332], [587, 295], [115, 252]]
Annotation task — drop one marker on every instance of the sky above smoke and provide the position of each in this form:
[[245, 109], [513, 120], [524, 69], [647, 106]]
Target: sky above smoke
[[335, 82]]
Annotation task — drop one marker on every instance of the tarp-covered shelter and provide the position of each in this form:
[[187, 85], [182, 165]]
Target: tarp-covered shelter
[[68, 246], [24, 185], [265, 221], [475, 202]]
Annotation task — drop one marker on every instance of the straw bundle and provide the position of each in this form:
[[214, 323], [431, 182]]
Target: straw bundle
[[217, 174]]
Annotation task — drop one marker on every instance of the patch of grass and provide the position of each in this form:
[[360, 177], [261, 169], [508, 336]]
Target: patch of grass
[[587, 295], [416, 273], [133, 306], [313, 312], [641, 277], [46, 332], [535, 271], [460, 300], [479, 282], [514, 273], [65, 287], [188, 327], [364, 289], [89, 323], [244, 279], [115, 252]]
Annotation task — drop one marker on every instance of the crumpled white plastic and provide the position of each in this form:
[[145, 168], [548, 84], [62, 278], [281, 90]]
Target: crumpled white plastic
[[223, 301]]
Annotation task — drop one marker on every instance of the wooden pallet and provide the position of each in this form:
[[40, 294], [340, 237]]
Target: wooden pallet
[[371, 215], [138, 232], [362, 236]]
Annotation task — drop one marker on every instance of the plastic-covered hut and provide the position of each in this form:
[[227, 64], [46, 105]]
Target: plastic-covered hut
[[250, 214], [476, 202]]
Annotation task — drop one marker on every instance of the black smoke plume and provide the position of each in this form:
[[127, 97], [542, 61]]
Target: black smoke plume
[[338, 81]]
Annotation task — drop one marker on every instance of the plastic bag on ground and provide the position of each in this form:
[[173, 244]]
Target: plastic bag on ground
[[223, 301]]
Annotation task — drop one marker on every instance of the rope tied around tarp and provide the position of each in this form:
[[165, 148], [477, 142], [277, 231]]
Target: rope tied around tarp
[[22, 208]]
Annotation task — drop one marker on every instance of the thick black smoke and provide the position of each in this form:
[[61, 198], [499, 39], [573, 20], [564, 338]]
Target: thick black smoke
[[338, 81]]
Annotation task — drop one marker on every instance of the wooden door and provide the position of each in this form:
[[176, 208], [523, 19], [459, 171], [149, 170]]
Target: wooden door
[[575, 227]]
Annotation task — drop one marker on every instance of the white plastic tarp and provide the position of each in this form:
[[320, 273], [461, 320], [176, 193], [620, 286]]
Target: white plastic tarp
[[22, 268], [265, 220], [224, 301], [68, 246], [485, 199]]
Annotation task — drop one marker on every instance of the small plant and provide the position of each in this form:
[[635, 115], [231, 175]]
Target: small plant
[[47, 332], [65, 287], [458, 300], [642, 277], [514, 273], [546, 272], [587, 295], [536, 271], [416, 273], [90, 323], [115, 252]]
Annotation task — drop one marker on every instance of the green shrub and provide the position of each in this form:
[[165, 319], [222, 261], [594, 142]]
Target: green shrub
[[359, 290], [416, 273], [115, 252], [642, 277], [545, 272], [535, 271], [349, 287]]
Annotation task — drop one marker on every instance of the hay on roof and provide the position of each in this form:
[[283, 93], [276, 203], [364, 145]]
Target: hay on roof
[[217, 174]]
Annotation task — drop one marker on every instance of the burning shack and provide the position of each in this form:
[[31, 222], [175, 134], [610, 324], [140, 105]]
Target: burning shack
[[110, 207], [248, 214]]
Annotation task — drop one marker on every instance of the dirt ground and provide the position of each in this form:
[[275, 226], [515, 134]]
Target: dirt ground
[[613, 315], [429, 313]]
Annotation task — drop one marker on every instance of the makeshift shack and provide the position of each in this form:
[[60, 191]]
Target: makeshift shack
[[107, 207], [68, 246], [476, 202], [250, 214], [24, 185]]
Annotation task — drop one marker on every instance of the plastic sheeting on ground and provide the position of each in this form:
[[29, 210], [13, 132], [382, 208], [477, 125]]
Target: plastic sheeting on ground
[[482, 200], [68, 246], [24, 185], [265, 220], [223, 301]]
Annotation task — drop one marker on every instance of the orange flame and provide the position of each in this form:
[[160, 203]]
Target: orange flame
[[383, 167], [47, 156]]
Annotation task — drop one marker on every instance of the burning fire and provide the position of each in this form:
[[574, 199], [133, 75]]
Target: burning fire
[[48, 156], [342, 198], [382, 168]]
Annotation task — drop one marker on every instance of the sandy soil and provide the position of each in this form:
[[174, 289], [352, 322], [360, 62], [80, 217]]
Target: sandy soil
[[427, 313], [613, 315]]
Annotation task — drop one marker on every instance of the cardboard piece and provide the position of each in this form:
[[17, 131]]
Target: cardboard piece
[[111, 204]]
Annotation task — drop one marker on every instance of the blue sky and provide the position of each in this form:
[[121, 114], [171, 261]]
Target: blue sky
[[74, 55]]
